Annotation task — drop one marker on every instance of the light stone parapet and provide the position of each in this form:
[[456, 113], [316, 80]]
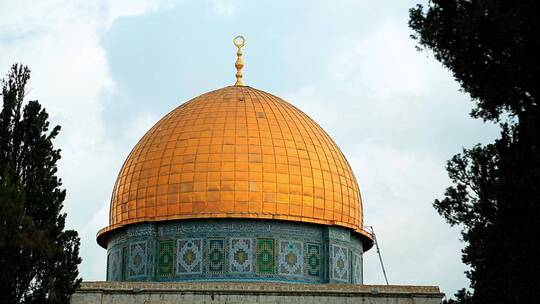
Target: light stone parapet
[[250, 292]]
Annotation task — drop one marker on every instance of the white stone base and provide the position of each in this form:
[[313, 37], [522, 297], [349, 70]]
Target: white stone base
[[225, 292]]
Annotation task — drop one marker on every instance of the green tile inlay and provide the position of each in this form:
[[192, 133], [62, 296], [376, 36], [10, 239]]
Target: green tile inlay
[[216, 255], [124, 263], [265, 256], [165, 258], [313, 259]]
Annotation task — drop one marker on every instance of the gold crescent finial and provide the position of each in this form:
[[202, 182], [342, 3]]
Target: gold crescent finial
[[239, 42]]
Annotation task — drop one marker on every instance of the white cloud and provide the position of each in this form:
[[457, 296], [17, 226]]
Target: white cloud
[[60, 41], [397, 189], [223, 8], [384, 61], [397, 115], [141, 125], [393, 112]]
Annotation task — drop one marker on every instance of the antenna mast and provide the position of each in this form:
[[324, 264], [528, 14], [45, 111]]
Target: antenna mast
[[378, 253]]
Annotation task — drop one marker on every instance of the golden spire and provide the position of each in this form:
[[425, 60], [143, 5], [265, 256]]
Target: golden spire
[[239, 42]]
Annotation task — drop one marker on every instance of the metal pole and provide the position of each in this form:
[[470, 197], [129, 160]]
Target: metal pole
[[379, 253]]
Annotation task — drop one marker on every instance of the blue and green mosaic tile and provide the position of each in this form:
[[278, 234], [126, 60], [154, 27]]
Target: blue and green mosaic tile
[[339, 263], [124, 263], [265, 256], [234, 250], [115, 266], [189, 256], [241, 255], [216, 256], [165, 258], [290, 258], [137, 259], [313, 259], [357, 268]]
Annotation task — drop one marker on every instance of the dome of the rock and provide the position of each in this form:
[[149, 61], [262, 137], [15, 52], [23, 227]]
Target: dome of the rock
[[236, 184], [236, 152]]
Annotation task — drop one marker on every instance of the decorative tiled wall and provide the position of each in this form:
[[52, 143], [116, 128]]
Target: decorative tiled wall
[[357, 268], [241, 256], [235, 250], [114, 273], [339, 259], [189, 256], [313, 260], [265, 256], [291, 258], [165, 258], [216, 256], [137, 260]]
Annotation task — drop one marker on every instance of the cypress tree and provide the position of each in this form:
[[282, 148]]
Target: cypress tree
[[491, 47], [38, 256]]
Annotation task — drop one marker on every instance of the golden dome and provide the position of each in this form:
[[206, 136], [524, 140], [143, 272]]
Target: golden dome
[[236, 152]]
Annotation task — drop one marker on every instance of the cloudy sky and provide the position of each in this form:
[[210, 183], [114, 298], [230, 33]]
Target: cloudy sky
[[108, 70]]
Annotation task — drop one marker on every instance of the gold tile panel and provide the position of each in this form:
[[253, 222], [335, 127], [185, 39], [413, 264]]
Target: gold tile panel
[[236, 152]]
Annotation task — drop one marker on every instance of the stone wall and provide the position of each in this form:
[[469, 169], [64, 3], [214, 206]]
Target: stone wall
[[235, 250], [228, 292]]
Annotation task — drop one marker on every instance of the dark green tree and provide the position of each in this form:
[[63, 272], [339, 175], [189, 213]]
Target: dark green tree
[[38, 258], [491, 47]]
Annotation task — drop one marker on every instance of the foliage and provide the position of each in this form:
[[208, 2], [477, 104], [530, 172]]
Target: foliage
[[38, 258], [491, 48], [462, 297]]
